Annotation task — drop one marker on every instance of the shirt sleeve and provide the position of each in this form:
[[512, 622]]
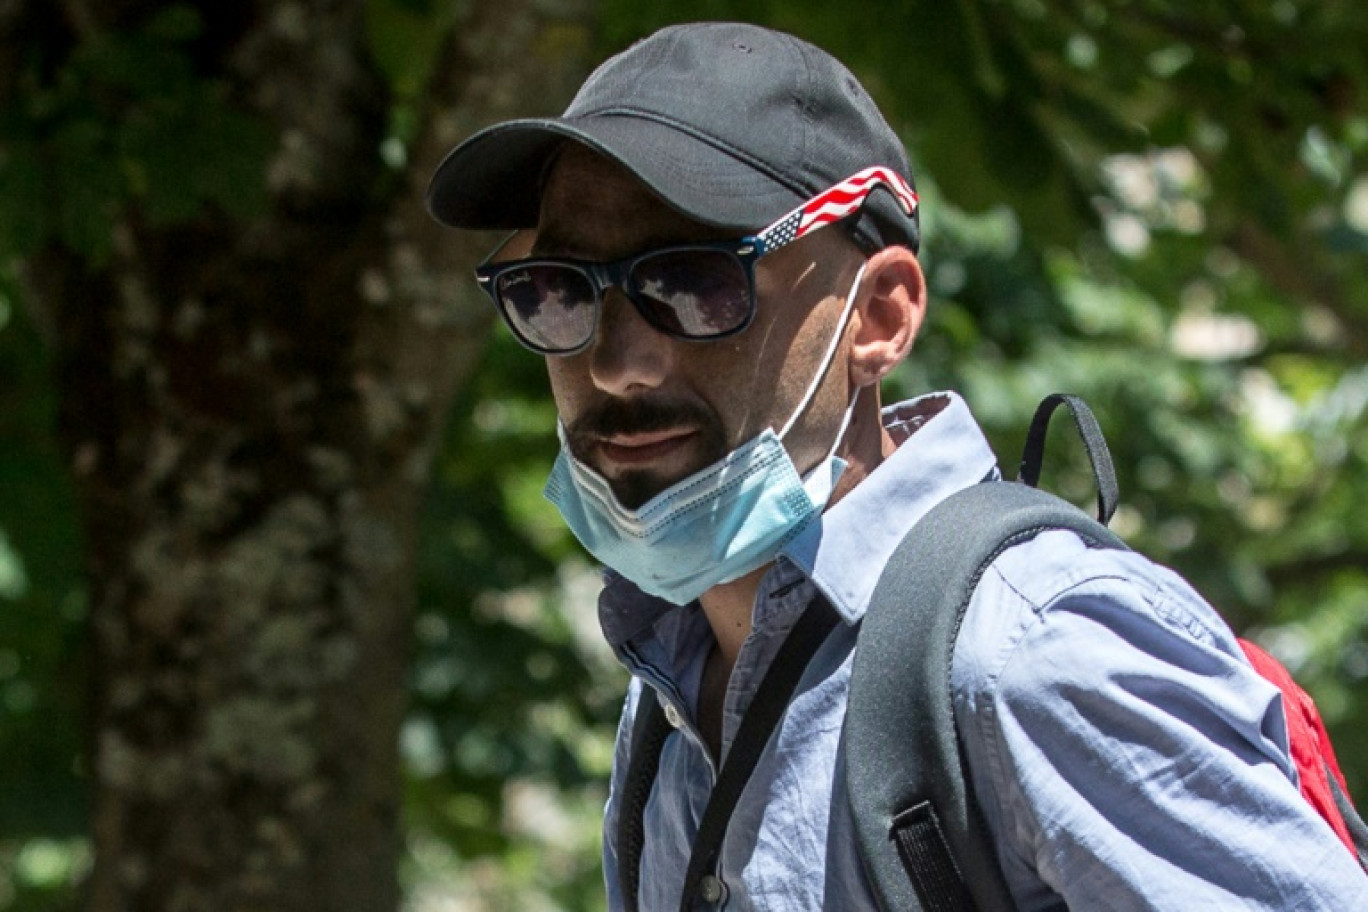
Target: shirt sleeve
[[1124, 752]]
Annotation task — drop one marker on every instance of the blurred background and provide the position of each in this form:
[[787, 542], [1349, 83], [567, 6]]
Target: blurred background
[[284, 620]]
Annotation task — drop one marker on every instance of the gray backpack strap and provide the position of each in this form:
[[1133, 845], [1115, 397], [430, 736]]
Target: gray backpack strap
[[1358, 829], [920, 831]]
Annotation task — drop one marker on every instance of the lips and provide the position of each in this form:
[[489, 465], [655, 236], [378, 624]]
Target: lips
[[637, 450]]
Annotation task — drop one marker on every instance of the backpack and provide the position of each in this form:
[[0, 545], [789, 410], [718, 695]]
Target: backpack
[[918, 827], [920, 831]]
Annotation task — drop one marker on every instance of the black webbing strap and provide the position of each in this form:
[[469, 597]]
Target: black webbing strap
[[1033, 453], [649, 732], [648, 737], [1358, 830], [764, 712], [925, 854]]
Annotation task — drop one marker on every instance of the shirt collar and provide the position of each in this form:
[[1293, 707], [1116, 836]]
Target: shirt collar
[[843, 551], [941, 450]]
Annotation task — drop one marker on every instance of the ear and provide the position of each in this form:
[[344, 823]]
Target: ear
[[887, 314]]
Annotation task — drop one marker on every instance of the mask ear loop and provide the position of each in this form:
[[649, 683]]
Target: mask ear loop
[[826, 365], [845, 422]]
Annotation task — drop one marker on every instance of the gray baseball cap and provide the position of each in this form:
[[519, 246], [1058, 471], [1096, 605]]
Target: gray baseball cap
[[732, 124]]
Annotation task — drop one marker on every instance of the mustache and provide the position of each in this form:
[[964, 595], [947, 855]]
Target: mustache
[[639, 416]]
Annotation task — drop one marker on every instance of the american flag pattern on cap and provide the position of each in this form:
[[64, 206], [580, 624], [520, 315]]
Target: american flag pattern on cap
[[835, 204]]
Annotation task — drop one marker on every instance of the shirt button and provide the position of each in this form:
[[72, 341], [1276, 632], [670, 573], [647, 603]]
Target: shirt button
[[709, 888], [672, 716]]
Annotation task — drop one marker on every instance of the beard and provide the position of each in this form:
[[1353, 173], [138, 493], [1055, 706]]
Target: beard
[[633, 488]]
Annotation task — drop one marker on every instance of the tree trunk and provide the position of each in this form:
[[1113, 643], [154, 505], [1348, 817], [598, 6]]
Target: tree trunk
[[250, 410]]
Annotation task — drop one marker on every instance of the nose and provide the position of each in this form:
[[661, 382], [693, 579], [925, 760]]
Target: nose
[[628, 355]]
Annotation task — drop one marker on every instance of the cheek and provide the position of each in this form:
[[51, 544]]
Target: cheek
[[569, 379], [740, 386]]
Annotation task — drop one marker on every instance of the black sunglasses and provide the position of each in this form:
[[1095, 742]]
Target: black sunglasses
[[690, 291]]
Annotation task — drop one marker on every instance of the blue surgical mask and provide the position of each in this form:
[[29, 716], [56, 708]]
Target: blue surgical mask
[[714, 526]]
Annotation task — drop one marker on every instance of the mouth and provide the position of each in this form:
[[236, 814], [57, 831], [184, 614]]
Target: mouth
[[635, 451]]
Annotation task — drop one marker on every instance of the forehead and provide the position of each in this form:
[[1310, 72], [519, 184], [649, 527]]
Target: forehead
[[593, 207]]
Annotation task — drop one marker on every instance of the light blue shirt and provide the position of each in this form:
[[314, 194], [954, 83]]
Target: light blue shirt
[[1126, 756]]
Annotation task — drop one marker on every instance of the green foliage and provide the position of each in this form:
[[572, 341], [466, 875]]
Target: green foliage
[[406, 37], [42, 679], [511, 687], [123, 118]]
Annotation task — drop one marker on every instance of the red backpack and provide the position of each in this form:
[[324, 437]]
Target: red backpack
[[1322, 783]]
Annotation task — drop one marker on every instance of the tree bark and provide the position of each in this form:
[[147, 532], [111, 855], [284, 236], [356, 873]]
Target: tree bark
[[250, 410]]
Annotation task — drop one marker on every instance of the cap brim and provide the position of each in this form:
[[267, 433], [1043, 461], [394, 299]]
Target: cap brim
[[493, 180]]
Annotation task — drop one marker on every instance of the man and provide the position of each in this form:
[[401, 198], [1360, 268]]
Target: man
[[716, 369]]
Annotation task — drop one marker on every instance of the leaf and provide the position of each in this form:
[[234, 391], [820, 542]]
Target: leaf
[[405, 38], [24, 211], [91, 188], [192, 150]]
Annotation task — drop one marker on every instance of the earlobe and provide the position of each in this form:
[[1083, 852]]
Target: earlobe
[[887, 316]]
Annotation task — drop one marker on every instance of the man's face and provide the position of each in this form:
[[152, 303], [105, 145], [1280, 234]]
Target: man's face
[[644, 409]]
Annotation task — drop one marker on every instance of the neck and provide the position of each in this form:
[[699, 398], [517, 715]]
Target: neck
[[729, 606], [728, 609]]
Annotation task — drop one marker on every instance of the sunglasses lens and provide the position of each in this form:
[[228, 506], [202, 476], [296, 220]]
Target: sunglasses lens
[[550, 306], [693, 293]]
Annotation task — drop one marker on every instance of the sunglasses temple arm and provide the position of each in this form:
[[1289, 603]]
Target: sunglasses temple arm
[[832, 205]]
